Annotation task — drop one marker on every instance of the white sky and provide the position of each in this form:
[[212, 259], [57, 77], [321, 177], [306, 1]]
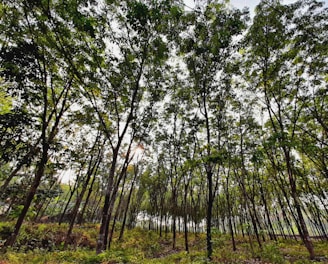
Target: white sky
[[251, 4]]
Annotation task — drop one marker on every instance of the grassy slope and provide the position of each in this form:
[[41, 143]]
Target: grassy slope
[[43, 243]]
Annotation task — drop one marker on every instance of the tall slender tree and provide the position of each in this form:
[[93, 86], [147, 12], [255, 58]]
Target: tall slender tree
[[206, 49]]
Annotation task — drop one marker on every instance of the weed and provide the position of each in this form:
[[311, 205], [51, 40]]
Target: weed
[[272, 253], [146, 247]]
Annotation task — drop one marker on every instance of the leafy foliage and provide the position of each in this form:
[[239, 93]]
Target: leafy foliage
[[41, 244]]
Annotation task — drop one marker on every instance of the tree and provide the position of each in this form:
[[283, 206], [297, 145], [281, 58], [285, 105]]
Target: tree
[[279, 70], [206, 50], [130, 83], [35, 63]]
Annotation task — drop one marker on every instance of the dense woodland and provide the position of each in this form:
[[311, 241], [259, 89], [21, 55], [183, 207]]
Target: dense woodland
[[177, 119]]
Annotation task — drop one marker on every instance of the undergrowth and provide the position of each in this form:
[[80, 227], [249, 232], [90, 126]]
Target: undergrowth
[[44, 243]]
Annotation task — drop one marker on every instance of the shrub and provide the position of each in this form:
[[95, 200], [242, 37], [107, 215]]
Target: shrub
[[272, 253]]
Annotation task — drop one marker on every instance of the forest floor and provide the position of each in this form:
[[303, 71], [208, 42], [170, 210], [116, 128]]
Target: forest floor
[[44, 243]]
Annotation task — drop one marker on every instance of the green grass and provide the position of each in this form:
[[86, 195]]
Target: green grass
[[143, 246]]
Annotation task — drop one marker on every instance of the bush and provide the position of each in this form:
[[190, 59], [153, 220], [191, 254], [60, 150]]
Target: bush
[[5, 230], [272, 253]]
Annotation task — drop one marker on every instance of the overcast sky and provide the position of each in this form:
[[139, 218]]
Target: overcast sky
[[251, 4], [242, 3]]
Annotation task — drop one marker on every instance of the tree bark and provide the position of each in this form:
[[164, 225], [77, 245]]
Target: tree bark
[[36, 182], [128, 203]]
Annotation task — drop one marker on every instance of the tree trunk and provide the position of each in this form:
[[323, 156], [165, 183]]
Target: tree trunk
[[128, 204], [25, 161], [267, 213], [116, 214], [304, 233], [67, 203], [36, 182], [174, 232], [81, 215], [96, 208], [91, 169], [93, 172], [229, 218], [185, 217], [209, 216], [103, 231]]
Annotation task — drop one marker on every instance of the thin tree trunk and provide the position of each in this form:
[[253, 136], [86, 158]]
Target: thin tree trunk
[[96, 208], [267, 213], [161, 224], [128, 204], [174, 232], [25, 161], [185, 217], [230, 215], [67, 203], [80, 216], [281, 229], [103, 232], [209, 216], [90, 172], [116, 213], [304, 233]]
